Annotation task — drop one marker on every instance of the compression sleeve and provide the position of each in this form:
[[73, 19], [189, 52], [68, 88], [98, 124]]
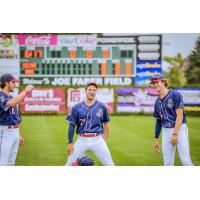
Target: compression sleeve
[[158, 128], [71, 133]]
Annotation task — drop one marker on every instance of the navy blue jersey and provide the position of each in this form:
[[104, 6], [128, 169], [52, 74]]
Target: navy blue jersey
[[165, 109], [89, 119], [8, 115]]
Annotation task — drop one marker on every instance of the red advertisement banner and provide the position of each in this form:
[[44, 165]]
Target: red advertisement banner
[[44, 100]]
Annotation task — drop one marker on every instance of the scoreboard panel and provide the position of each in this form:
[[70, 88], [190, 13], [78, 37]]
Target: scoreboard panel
[[87, 56], [98, 62]]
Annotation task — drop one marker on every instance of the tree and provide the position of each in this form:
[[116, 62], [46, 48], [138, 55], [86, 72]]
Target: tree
[[176, 74], [193, 72]]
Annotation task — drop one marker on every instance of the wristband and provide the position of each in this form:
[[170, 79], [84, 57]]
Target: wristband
[[175, 133]]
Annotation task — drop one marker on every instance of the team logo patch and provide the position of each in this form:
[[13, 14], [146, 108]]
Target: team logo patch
[[170, 103], [100, 112]]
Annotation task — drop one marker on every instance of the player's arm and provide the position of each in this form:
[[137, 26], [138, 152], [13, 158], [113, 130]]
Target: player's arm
[[158, 128], [72, 118], [106, 130], [178, 123], [14, 101], [106, 124], [179, 119], [21, 139], [178, 104], [70, 146]]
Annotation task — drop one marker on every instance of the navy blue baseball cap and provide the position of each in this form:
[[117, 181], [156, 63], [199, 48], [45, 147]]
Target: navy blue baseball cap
[[8, 77], [156, 78], [91, 83], [85, 161]]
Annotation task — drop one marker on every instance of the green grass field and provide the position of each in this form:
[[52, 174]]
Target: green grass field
[[130, 142]]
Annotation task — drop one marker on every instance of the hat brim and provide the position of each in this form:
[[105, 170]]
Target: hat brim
[[155, 81], [16, 80]]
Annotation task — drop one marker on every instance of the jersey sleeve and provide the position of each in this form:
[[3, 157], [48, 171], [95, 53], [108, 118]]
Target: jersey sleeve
[[156, 113], [3, 102], [178, 101], [106, 117], [72, 117]]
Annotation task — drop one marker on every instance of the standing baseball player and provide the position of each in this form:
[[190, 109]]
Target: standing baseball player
[[92, 121], [10, 120], [171, 118]]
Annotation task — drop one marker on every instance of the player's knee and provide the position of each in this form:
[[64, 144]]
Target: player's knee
[[11, 163], [3, 163], [108, 162], [168, 163], [187, 162]]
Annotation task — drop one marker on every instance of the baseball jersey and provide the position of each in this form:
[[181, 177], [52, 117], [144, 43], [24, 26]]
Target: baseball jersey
[[165, 108], [8, 115], [89, 119]]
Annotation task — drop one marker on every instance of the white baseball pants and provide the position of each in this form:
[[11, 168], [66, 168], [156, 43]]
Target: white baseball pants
[[95, 144], [182, 146], [9, 144]]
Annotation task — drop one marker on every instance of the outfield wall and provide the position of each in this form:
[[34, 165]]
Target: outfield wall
[[117, 100]]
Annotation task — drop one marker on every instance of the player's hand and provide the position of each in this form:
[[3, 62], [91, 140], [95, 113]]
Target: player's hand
[[105, 138], [70, 148], [156, 145], [174, 140], [21, 140], [29, 88]]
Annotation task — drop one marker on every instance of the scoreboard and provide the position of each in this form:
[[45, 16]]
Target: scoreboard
[[117, 57]]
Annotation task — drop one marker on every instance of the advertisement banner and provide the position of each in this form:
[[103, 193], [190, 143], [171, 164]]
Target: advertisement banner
[[136, 100], [105, 95], [9, 55], [37, 40], [77, 40], [191, 98], [44, 100], [145, 70]]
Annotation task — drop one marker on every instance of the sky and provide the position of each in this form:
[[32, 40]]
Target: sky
[[179, 42], [174, 43]]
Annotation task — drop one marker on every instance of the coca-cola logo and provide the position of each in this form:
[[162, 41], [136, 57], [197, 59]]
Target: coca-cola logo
[[42, 40]]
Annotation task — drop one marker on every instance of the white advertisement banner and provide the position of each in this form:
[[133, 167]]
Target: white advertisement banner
[[191, 96], [105, 95]]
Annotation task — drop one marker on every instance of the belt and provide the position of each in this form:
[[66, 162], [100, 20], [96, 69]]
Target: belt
[[170, 126], [13, 126], [89, 134]]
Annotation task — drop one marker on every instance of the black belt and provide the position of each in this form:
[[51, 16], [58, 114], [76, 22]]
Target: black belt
[[170, 126]]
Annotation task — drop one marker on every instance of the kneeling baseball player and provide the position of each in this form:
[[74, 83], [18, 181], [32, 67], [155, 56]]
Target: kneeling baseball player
[[92, 121]]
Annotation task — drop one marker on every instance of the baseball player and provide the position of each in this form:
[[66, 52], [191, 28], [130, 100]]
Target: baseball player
[[10, 120], [171, 118], [92, 121]]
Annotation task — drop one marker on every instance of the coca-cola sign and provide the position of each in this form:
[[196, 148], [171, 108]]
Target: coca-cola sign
[[37, 40]]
